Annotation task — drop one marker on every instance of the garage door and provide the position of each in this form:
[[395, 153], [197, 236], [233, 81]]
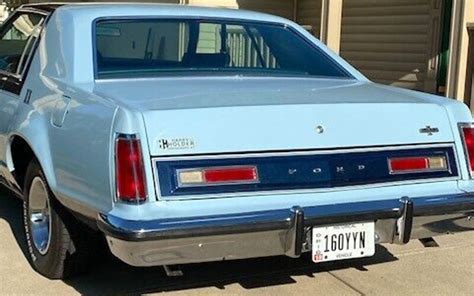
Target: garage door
[[309, 15], [469, 92], [308, 12], [282, 8], [393, 41], [151, 1]]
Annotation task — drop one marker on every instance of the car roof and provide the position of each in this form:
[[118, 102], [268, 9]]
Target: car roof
[[158, 9], [45, 7]]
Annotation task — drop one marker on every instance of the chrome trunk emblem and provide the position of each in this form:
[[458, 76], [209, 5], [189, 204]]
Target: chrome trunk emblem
[[429, 130]]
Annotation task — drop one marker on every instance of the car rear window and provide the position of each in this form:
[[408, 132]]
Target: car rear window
[[151, 47]]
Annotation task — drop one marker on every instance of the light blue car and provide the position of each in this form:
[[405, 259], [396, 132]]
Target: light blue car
[[185, 134]]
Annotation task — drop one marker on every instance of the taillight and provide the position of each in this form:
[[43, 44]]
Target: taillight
[[467, 131], [218, 176], [418, 164], [129, 170]]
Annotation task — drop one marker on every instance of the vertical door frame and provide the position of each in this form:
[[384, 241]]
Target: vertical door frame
[[433, 50], [469, 85], [331, 23]]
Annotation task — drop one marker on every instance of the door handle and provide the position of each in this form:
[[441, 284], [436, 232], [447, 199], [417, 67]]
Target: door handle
[[60, 111]]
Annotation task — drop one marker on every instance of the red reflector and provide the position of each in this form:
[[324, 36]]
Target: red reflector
[[129, 172], [231, 175], [468, 133], [409, 164]]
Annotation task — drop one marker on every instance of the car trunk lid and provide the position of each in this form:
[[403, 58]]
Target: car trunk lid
[[236, 115]]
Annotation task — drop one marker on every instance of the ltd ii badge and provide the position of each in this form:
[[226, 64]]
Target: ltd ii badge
[[176, 144]]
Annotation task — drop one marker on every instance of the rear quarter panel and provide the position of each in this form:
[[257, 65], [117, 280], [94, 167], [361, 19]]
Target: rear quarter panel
[[81, 152], [76, 156]]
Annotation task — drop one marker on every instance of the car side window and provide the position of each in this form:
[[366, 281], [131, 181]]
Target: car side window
[[17, 39]]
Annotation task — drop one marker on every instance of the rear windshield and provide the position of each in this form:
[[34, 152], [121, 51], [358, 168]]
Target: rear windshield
[[152, 47]]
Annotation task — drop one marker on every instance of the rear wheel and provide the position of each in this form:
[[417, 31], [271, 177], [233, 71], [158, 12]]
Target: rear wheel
[[55, 240]]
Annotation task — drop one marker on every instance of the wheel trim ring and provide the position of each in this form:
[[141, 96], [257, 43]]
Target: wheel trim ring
[[39, 215]]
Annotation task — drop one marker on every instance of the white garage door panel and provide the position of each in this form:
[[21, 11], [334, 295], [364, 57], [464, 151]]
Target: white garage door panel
[[392, 41]]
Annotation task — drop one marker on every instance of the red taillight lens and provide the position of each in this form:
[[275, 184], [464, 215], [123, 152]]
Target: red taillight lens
[[226, 175], [129, 170], [409, 164], [417, 164], [468, 134], [221, 175]]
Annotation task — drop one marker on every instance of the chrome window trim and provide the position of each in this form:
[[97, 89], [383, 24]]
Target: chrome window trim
[[122, 80], [10, 74], [32, 10], [156, 177], [337, 64], [29, 55], [40, 27], [21, 76], [462, 125]]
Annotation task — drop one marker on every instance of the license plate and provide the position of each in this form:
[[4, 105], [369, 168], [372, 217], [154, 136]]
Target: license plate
[[343, 241]]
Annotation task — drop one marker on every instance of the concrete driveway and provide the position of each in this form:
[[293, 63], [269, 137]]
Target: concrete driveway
[[395, 270]]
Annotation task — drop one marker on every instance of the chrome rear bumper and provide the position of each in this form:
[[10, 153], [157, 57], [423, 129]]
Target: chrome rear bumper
[[279, 232]]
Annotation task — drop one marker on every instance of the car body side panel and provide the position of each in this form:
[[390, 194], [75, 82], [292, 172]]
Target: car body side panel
[[9, 105], [29, 124], [81, 150], [76, 155]]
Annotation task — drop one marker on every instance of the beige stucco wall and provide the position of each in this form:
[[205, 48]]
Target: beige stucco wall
[[215, 3]]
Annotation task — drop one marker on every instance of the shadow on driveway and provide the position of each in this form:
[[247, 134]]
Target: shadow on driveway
[[11, 210], [111, 276]]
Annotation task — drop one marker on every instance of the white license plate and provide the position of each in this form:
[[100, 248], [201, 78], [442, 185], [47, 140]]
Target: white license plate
[[343, 241]]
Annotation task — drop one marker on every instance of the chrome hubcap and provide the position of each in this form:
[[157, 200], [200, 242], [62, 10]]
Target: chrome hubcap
[[39, 213]]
